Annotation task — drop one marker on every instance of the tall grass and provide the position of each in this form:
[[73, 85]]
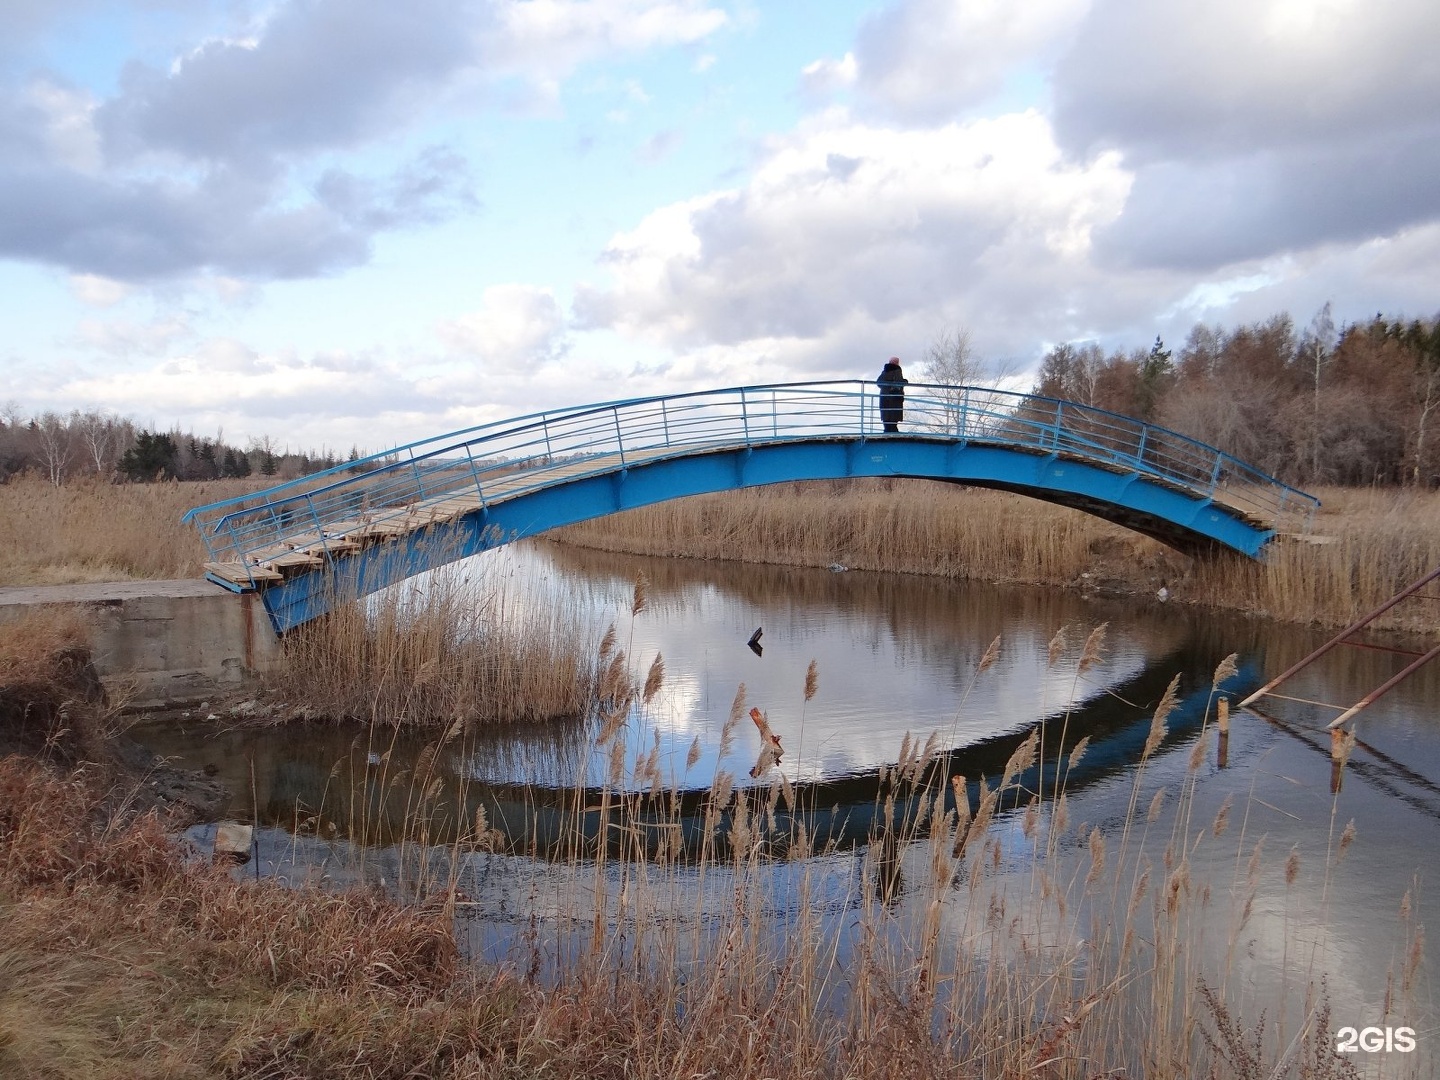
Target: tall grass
[[1373, 544], [1377, 541], [91, 531], [988, 935], [441, 652], [51, 700]]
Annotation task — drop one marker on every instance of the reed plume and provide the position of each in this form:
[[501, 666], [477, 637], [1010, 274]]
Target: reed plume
[[1094, 650], [1168, 702]]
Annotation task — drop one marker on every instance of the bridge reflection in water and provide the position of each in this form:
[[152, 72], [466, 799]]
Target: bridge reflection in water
[[325, 782]]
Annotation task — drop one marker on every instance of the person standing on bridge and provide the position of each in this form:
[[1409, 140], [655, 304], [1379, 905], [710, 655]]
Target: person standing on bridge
[[892, 394]]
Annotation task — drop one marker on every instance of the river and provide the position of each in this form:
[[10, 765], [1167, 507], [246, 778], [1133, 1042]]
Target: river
[[897, 662]]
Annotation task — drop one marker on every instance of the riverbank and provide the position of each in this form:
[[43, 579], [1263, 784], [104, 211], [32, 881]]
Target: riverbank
[[1365, 545]]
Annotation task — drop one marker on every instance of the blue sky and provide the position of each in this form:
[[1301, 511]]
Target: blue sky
[[351, 222]]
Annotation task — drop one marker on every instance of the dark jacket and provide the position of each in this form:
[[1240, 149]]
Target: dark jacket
[[892, 394]]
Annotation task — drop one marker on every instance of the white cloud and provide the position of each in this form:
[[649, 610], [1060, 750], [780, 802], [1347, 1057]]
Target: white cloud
[[196, 166], [928, 60], [121, 337], [846, 221], [516, 325], [308, 402], [554, 37], [822, 77], [1276, 127], [1229, 77], [69, 119], [98, 291], [231, 291]]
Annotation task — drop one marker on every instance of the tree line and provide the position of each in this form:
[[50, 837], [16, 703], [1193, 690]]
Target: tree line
[[99, 445], [1358, 405]]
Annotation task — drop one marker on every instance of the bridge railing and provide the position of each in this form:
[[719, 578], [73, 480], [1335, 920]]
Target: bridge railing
[[515, 456]]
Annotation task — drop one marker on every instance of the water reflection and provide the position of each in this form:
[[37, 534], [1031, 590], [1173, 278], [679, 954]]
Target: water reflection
[[895, 655]]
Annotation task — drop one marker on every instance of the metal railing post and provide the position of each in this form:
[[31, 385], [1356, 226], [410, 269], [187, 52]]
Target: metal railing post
[[619, 437], [475, 473], [665, 421], [745, 415], [235, 544], [319, 525]]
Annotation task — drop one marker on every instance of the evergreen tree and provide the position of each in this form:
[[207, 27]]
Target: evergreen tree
[[152, 456], [1157, 372]]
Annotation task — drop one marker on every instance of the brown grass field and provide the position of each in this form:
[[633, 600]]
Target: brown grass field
[[92, 531], [1375, 541]]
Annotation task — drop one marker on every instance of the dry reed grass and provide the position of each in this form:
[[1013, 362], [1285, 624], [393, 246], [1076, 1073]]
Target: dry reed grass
[[125, 960], [1379, 541], [1382, 539], [91, 531], [444, 653], [51, 701], [122, 958]]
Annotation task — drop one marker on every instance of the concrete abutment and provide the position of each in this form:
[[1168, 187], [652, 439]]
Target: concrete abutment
[[172, 642]]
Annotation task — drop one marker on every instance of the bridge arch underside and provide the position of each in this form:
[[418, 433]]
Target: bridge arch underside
[[1185, 520]]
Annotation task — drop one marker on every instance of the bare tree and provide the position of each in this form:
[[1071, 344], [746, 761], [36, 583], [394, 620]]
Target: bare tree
[[12, 440], [101, 434], [1427, 404], [1317, 346], [966, 381], [57, 446], [1074, 372], [950, 360]]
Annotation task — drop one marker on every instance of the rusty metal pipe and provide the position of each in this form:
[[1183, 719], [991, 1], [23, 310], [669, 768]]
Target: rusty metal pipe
[[1380, 690], [1340, 637]]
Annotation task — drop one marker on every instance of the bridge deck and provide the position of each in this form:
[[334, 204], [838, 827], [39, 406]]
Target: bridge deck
[[307, 549], [370, 523]]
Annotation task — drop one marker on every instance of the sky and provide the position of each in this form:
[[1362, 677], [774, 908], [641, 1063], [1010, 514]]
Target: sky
[[357, 223]]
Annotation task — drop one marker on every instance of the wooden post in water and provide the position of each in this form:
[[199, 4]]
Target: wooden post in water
[[1338, 754], [1222, 719]]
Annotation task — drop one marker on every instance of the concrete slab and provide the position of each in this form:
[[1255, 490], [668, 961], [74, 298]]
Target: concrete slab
[[165, 642]]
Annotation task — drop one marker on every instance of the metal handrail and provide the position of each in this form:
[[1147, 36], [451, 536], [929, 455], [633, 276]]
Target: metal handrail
[[524, 451]]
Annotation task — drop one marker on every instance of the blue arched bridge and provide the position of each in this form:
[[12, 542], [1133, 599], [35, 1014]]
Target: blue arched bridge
[[361, 526]]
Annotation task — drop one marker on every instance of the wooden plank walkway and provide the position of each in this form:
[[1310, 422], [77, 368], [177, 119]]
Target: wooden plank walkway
[[303, 551]]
